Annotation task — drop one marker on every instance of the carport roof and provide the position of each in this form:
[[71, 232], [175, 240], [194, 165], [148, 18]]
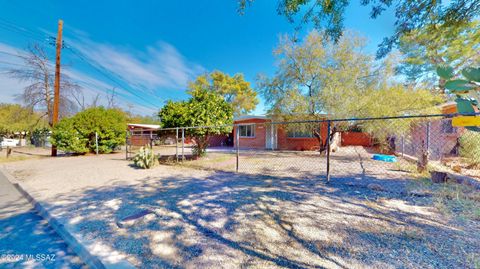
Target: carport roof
[[143, 126]]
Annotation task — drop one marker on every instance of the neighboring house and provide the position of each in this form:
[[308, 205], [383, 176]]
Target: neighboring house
[[256, 132], [146, 134], [142, 134], [352, 138], [438, 135]]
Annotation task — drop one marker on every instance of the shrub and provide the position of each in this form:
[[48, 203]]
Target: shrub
[[65, 137], [77, 134], [145, 158], [470, 146], [39, 136]]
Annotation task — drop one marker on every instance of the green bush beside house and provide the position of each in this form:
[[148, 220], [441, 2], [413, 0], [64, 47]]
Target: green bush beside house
[[77, 134]]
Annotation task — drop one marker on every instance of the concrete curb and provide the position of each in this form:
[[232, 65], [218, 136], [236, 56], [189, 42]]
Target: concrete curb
[[67, 232]]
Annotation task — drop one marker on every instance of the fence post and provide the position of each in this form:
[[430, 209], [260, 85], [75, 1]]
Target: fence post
[[403, 145], [271, 136], [126, 145], [151, 139], [237, 143], [183, 144], [328, 150], [176, 144], [428, 138], [96, 143]]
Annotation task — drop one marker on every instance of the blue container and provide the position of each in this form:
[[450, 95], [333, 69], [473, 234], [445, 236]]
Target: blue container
[[384, 158]]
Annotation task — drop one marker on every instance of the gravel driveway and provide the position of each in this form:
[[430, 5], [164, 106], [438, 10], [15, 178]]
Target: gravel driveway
[[206, 219]]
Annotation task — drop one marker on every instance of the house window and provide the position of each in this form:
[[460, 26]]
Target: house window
[[300, 133], [247, 130], [447, 127]]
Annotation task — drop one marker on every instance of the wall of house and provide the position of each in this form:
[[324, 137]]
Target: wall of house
[[140, 136], [356, 139], [139, 140], [257, 142], [283, 141], [217, 140], [442, 144], [300, 143]]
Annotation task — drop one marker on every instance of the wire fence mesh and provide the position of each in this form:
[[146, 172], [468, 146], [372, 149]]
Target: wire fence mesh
[[344, 149]]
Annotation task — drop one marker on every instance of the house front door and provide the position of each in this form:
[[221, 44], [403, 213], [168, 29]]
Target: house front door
[[271, 136]]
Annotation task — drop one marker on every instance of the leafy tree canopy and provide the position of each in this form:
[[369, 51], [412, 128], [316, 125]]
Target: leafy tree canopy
[[329, 15], [433, 45], [131, 118], [77, 134], [318, 77], [204, 108], [235, 90], [15, 118]]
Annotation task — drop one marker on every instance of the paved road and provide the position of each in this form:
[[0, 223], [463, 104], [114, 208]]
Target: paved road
[[26, 240]]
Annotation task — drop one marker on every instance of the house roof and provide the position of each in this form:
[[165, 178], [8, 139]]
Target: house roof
[[250, 117], [448, 107], [447, 104], [143, 126]]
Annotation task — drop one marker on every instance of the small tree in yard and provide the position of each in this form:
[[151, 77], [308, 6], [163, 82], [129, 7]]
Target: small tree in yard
[[204, 108], [77, 134]]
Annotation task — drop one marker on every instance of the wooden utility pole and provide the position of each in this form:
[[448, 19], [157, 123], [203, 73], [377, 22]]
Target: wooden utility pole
[[56, 98]]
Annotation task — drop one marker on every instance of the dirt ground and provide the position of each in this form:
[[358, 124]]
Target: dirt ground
[[23, 153], [217, 219]]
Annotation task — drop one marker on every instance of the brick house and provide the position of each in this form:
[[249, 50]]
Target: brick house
[[142, 134], [256, 132], [145, 134], [441, 137]]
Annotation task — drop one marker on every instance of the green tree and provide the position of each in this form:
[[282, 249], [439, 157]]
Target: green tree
[[142, 119], [204, 108], [77, 134], [396, 100], [317, 78], [410, 15], [235, 90], [425, 48], [16, 118], [470, 147]]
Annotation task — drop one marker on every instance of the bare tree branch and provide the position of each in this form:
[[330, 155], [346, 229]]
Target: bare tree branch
[[39, 94]]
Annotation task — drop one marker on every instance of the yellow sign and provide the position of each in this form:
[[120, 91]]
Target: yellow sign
[[466, 121]]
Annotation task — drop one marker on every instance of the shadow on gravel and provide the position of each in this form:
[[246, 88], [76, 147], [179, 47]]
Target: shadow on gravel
[[242, 220], [26, 241]]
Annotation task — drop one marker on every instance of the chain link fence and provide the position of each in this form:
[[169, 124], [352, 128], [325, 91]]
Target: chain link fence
[[340, 149]]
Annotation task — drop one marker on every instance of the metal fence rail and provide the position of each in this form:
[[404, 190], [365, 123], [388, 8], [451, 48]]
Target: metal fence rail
[[340, 149]]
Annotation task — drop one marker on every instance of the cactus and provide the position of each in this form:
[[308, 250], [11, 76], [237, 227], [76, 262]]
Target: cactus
[[466, 89], [145, 158]]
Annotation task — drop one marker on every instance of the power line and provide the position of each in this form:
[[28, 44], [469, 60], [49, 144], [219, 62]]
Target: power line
[[108, 74], [11, 54], [111, 76], [10, 63], [11, 26]]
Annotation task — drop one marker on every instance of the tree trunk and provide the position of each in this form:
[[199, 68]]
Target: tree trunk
[[48, 100], [201, 145], [318, 135]]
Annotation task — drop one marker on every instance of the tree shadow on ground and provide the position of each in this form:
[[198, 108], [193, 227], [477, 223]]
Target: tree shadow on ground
[[26, 241], [241, 220]]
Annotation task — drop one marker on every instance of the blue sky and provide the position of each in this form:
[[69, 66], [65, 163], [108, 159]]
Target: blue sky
[[155, 47]]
